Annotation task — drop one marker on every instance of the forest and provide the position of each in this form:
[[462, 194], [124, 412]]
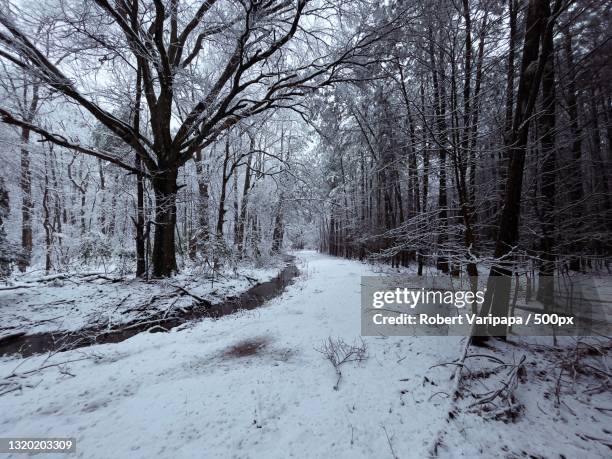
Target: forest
[[166, 160]]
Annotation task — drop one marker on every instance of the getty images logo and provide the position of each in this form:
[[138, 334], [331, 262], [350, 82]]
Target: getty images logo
[[412, 298]]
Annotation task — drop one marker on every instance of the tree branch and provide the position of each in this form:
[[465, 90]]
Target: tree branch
[[61, 141]]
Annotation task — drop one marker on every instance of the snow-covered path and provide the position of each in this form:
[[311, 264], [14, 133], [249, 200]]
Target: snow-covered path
[[247, 385]]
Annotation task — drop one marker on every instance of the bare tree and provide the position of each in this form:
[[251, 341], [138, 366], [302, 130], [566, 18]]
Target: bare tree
[[162, 39]]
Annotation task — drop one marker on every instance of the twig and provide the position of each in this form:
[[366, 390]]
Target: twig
[[441, 392], [390, 445]]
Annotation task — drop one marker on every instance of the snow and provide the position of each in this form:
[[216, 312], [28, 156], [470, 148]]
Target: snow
[[77, 301], [579, 425], [253, 384]]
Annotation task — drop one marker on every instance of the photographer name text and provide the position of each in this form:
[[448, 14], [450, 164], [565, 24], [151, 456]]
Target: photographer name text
[[471, 319]]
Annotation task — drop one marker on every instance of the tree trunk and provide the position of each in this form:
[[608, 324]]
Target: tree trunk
[[25, 184], [82, 189], [244, 202], [602, 204], [440, 116], [25, 181], [102, 214], [476, 114], [141, 255], [500, 277], [47, 219], [201, 233], [467, 147], [5, 255], [224, 180], [279, 228], [425, 193], [575, 131], [57, 204], [141, 260], [549, 173], [576, 180], [165, 188], [513, 7], [255, 236], [236, 207]]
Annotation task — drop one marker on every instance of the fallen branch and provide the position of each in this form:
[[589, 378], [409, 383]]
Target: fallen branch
[[338, 352], [199, 299], [505, 395], [93, 277], [15, 287]]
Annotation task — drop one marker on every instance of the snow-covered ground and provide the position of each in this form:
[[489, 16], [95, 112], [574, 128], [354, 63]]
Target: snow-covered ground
[[561, 405], [72, 302], [254, 384]]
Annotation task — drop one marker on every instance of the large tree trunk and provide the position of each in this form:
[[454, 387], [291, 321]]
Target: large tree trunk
[[141, 259], [165, 188], [142, 233]]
